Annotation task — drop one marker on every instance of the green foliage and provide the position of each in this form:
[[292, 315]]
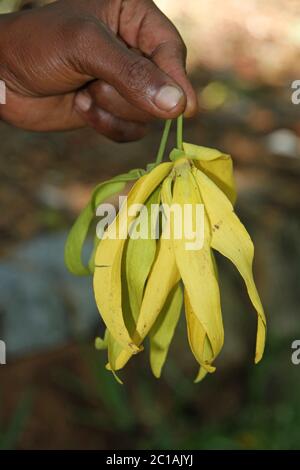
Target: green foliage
[[10, 434]]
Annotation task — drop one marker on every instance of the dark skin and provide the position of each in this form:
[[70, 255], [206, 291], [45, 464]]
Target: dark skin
[[111, 64]]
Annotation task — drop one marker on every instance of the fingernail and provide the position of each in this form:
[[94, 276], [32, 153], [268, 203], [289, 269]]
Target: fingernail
[[168, 97], [83, 101]]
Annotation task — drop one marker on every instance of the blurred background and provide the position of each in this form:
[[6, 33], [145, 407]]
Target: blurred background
[[54, 390]]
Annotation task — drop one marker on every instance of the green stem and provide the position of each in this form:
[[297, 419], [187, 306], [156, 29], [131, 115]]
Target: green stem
[[180, 132], [163, 142]]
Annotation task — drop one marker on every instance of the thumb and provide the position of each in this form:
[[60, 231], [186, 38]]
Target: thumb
[[141, 82]]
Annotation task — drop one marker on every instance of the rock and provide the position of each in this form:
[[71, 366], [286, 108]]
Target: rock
[[41, 305]]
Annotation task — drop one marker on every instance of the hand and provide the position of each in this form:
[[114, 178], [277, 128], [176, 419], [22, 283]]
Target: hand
[[110, 64]]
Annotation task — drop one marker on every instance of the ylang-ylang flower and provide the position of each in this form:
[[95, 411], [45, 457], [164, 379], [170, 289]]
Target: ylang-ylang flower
[[143, 285]]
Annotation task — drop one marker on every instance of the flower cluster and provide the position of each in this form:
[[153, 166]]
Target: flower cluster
[[141, 284]]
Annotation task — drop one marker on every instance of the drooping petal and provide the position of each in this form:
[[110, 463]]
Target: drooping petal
[[196, 266], [139, 257], [163, 330], [216, 165], [193, 324], [232, 240], [221, 173], [107, 276], [158, 286], [198, 339], [197, 152]]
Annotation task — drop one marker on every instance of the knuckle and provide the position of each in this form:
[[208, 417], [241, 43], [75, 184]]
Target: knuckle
[[79, 36], [100, 90], [80, 31], [106, 125], [113, 128], [118, 134], [86, 26], [121, 134], [138, 74], [121, 138], [104, 88]]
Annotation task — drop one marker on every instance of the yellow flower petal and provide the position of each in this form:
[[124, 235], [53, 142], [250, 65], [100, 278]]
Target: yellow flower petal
[[231, 239], [107, 276], [196, 266], [198, 339], [216, 165], [163, 330], [139, 257], [221, 173], [197, 152], [163, 277]]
